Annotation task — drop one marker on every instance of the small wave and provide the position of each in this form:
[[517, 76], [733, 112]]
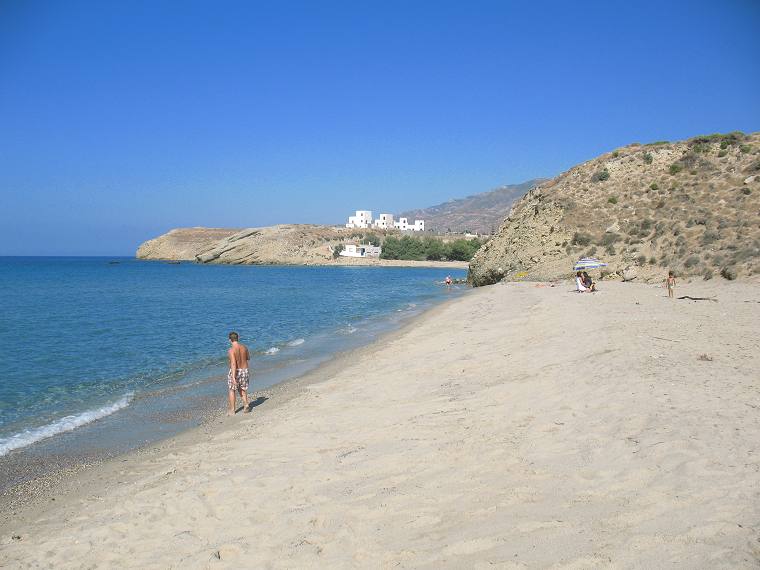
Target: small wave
[[273, 350], [68, 423], [296, 342], [349, 329]]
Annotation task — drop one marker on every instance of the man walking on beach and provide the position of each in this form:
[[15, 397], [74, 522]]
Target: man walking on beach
[[237, 377]]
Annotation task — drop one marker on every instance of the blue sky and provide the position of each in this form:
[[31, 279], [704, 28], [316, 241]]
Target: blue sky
[[119, 121]]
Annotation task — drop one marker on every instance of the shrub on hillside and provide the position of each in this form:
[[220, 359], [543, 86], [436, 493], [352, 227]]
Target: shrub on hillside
[[722, 153], [654, 186], [691, 261], [648, 158], [709, 237], [675, 168], [612, 200], [600, 175], [745, 148], [728, 273], [580, 238]]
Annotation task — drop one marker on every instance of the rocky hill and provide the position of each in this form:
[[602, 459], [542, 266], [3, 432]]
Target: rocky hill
[[691, 206], [480, 213], [282, 244], [183, 243]]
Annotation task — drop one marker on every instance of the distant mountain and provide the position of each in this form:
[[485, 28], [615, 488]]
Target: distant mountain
[[479, 213]]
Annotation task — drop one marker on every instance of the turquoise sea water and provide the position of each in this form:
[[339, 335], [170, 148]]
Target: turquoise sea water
[[83, 338]]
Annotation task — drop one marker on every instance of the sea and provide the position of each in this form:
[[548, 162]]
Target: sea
[[109, 354]]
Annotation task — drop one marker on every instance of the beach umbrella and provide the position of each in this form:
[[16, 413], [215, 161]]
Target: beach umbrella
[[588, 263]]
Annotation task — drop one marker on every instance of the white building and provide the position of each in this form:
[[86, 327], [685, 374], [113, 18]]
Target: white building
[[362, 219], [384, 222], [404, 225], [352, 250]]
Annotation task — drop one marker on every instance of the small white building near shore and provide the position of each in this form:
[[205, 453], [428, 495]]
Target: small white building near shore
[[353, 250]]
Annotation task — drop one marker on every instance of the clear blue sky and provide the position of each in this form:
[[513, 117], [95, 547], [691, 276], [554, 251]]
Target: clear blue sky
[[121, 120]]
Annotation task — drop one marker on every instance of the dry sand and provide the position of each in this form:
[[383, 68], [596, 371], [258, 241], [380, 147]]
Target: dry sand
[[517, 427]]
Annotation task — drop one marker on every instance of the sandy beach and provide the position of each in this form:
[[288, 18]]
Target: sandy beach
[[518, 426]]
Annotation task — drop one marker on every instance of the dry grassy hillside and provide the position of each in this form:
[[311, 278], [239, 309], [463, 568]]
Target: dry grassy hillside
[[691, 206]]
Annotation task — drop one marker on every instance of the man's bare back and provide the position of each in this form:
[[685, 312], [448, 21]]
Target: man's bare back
[[239, 356], [238, 376]]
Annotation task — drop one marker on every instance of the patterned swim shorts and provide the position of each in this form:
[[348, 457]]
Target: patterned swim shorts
[[241, 380]]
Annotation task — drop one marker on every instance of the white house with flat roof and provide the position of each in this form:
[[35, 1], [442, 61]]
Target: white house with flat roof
[[384, 222], [353, 250], [404, 225], [362, 219]]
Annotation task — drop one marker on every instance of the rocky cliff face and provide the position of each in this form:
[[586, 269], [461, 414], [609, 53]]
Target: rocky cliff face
[[182, 243], [691, 206], [282, 244]]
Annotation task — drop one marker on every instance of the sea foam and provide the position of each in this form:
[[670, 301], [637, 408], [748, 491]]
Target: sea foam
[[273, 350], [68, 423], [296, 342]]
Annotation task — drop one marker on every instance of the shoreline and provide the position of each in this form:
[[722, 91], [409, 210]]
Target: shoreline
[[478, 431], [340, 262], [89, 468], [163, 409]]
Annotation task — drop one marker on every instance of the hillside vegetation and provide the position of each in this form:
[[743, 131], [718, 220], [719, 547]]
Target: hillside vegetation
[[691, 206], [429, 249]]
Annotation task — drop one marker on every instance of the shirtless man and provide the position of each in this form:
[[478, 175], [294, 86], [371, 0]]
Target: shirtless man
[[237, 377]]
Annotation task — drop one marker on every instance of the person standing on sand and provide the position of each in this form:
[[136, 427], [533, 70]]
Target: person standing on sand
[[670, 283], [238, 376]]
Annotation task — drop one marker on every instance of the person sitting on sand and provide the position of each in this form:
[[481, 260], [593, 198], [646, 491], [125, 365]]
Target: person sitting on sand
[[670, 283], [588, 283], [579, 285], [238, 376]]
